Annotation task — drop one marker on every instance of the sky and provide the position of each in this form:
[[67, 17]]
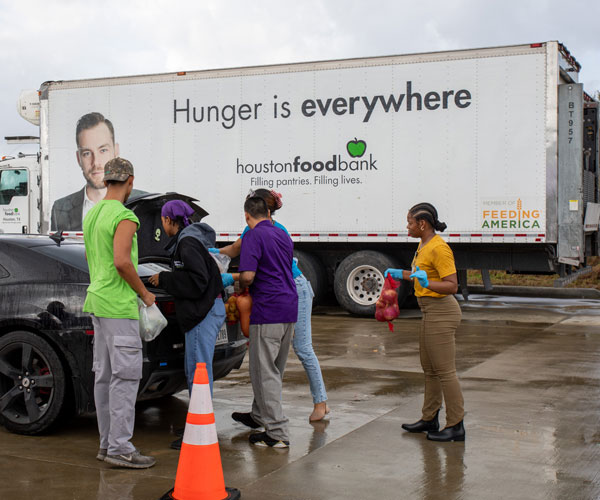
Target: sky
[[77, 39]]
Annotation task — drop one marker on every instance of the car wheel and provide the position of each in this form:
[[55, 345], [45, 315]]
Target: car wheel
[[32, 383], [314, 272], [359, 281]]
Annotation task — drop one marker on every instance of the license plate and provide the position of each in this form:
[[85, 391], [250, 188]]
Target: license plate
[[222, 337]]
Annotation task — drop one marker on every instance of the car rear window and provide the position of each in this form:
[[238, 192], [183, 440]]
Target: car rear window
[[74, 255]]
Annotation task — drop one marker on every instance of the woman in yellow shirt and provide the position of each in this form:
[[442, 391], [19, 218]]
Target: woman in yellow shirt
[[435, 282]]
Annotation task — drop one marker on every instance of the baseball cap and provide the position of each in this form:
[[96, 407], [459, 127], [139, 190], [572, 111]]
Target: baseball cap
[[117, 169]]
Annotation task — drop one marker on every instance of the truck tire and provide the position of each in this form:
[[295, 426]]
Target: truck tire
[[32, 383], [314, 271], [406, 295], [359, 280]]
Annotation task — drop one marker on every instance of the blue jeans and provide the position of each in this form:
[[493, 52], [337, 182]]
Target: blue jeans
[[200, 343], [303, 340]]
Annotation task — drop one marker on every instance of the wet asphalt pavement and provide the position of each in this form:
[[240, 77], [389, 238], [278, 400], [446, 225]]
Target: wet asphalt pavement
[[530, 372]]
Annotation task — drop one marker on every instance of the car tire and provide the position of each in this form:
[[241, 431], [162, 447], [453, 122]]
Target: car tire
[[32, 383], [314, 271], [359, 280]]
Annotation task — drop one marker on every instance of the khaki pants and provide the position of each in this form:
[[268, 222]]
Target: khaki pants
[[269, 348], [441, 317]]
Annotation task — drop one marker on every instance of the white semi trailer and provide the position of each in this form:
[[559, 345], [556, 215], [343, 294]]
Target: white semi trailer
[[502, 140]]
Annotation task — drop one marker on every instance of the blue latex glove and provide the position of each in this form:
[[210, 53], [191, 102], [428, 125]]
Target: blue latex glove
[[421, 276], [394, 273], [214, 250], [227, 279]]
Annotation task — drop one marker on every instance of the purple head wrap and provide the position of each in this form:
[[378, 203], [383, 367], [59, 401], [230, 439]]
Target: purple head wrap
[[177, 209]]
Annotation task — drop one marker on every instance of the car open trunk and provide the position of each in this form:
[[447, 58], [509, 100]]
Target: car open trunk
[[151, 238]]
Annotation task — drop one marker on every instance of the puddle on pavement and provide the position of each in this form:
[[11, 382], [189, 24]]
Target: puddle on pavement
[[525, 304]]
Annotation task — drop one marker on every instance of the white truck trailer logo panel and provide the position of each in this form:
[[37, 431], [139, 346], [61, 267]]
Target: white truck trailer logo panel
[[350, 147]]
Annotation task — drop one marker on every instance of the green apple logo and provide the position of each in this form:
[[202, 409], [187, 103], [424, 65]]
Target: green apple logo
[[356, 148]]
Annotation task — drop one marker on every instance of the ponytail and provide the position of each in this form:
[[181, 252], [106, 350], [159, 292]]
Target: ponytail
[[428, 213]]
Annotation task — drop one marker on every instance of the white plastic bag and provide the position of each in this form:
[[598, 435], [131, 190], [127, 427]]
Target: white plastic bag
[[222, 261], [152, 322]]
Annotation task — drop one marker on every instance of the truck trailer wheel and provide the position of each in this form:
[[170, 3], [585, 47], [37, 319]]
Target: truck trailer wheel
[[406, 294], [314, 271], [359, 280]]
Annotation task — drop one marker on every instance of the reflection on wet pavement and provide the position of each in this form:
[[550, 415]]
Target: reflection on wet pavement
[[115, 485], [530, 371]]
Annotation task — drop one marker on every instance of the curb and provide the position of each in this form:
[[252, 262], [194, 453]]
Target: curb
[[536, 291]]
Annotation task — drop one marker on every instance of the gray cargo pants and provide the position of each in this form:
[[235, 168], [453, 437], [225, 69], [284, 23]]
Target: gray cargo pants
[[269, 348], [118, 370]]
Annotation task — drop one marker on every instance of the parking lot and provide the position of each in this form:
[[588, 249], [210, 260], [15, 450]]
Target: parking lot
[[530, 373]]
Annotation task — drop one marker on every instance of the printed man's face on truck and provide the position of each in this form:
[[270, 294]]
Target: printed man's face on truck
[[96, 147]]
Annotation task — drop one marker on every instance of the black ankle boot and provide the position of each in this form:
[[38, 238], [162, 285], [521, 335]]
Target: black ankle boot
[[423, 425], [454, 433]]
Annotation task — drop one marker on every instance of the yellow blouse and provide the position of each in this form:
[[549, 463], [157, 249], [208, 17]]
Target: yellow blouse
[[437, 260]]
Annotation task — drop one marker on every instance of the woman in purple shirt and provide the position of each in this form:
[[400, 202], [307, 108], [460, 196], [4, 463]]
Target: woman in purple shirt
[[302, 341]]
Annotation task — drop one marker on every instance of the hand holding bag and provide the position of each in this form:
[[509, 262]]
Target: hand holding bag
[[386, 308], [152, 322]]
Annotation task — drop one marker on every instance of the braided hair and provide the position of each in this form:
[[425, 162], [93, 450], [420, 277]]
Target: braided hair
[[272, 199], [428, 213]]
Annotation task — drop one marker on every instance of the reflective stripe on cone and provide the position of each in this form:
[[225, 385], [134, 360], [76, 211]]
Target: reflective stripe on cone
[[200, 435], [202, 404]]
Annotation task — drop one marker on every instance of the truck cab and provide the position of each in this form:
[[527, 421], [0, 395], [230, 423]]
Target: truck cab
[[20, 194], [21, 176]]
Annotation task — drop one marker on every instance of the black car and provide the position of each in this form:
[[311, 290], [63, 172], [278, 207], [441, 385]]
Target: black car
[[46, 338]]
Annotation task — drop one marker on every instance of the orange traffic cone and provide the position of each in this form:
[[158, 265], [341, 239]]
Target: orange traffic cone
[[199, 473]]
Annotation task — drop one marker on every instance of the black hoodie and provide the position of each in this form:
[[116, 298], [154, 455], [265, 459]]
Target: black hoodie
[[195, 280]]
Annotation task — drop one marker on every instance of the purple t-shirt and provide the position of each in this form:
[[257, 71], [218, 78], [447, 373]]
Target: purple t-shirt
[[268, 251]]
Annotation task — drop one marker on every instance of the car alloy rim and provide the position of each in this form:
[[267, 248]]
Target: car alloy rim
[[364, 285], [26, 383]]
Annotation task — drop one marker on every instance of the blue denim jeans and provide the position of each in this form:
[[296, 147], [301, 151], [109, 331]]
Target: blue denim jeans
[[200, 343], [303, 340]]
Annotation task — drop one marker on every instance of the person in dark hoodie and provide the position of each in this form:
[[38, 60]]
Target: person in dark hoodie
[[195, 283]]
